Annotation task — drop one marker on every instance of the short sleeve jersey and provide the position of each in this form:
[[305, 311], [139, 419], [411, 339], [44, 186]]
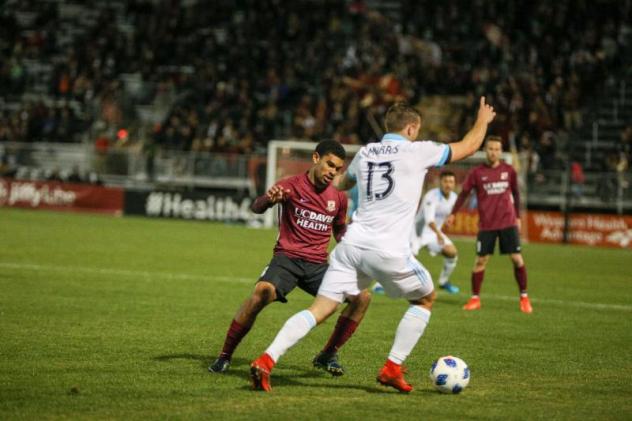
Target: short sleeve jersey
[[390, 175], [495, 191], [307, 217], [435, 207]]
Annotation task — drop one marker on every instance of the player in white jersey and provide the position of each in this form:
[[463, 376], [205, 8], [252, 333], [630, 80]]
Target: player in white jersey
[[390, 176], [435, 207]]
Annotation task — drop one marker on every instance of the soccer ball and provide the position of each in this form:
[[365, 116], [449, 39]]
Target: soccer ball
[[449, 374]]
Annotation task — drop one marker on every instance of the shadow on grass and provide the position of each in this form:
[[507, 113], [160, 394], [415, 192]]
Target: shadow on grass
[[240, 368], [289, 381]]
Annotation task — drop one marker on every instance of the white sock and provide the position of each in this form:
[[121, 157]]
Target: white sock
[[410, 329], [449, 263], [295, 329]]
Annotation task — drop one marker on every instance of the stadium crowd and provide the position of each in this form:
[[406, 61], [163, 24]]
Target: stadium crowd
[[231, 77]]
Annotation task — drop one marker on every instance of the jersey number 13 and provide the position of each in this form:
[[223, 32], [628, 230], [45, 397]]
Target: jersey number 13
[[386, 170]]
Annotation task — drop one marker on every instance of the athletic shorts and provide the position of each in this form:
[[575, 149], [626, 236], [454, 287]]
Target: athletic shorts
[[287, 273], [352, 269], [508, 239], [428, 238]]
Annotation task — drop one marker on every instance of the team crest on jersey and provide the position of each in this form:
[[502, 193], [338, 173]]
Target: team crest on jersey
[[331, 205], [504, 175]]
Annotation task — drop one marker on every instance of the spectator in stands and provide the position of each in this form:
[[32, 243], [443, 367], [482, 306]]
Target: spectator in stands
[[577, 179], [257, 71]]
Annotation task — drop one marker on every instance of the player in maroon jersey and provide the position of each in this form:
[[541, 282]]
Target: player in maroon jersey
[[498, 199], [311, 209]]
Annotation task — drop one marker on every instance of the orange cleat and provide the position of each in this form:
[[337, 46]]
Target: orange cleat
[[260, 373], [393, 375], [473, 304], [525, 305]]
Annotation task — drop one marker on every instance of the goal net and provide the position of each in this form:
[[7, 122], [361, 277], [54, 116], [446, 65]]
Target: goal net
[[287, 158]]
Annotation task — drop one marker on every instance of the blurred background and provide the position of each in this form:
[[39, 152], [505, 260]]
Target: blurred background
[[167, 102]]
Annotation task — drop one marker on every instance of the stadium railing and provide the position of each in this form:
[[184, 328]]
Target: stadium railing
[[133, 167]]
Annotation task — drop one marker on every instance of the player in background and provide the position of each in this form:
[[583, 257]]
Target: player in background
[[311, 209], [496, 185], [436, 206], [390, 176]]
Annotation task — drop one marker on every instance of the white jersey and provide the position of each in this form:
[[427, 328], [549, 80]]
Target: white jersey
[[390, 175], [435, 207]]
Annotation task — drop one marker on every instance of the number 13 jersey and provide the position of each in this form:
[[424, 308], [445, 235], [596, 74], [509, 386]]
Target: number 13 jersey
[[390, 177]]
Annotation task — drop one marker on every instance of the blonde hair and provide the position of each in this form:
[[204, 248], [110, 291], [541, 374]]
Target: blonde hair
[[399, 115]]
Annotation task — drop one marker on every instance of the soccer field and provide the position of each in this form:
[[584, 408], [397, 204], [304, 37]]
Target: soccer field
[[106, 317]]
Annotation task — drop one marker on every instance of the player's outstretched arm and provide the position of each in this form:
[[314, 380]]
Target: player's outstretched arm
[[474, 138]]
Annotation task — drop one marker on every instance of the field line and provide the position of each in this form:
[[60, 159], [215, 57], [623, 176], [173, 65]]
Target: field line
[[582, 304], [123, 272], [147, 275]]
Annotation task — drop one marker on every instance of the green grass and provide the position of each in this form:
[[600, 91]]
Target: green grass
[[119, 317]]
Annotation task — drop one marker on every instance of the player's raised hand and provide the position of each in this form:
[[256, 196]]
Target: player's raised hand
[[277, 193], [485, 111]]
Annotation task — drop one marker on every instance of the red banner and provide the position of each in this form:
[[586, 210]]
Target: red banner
[[588, 229], [548, 227], [61, 196], [465, 223]]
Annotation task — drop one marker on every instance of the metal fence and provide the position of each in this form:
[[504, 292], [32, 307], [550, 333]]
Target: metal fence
[[607, 191]]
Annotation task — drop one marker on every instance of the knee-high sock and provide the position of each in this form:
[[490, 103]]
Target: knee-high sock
[[410, 329], [449, 263], [235, 334], [477, 282], [295, 329], [344, 329], [521, 277]]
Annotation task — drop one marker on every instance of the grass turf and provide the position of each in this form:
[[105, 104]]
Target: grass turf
[[106, 317]]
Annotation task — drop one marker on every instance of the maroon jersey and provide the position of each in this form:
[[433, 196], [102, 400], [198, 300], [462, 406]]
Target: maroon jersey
[[307, 219], [497, 195]]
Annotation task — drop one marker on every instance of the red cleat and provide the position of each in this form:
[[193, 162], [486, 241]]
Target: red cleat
[[393, 375], [525, 305], [260, 373], [473, 304]]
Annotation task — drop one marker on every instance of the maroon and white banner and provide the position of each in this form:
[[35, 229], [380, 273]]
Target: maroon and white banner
[[588, 229], [61, 196]]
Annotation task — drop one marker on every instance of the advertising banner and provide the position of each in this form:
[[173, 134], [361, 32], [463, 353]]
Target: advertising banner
[[588, 229], [221, 205], [465, 224], [548, 227], [56, 195]]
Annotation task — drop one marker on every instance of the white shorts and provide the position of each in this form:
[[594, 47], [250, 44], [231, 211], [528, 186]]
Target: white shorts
[[352, 269], [429, 239]]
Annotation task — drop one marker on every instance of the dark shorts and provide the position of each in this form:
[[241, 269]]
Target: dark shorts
[[286, 273], [508, 239]]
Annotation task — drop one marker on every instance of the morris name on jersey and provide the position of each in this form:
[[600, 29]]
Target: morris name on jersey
[[379, 149]]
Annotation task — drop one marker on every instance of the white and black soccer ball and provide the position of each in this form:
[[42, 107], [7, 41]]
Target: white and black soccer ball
[[450, 374]]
